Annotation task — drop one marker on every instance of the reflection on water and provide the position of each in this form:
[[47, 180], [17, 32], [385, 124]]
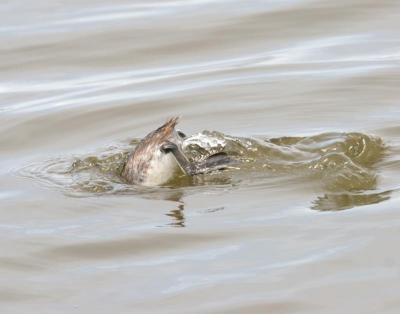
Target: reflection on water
[[348, 200], [178, 216]]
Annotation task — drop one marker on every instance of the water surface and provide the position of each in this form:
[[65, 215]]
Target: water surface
[[82, 81]]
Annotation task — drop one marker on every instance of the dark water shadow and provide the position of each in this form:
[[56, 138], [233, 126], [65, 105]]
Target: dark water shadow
[[343, 201], [178, 216]]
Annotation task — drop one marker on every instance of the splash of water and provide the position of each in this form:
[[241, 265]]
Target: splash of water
[[345, 164]]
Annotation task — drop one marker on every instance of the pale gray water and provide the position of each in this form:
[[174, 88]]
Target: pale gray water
[[81, 79]]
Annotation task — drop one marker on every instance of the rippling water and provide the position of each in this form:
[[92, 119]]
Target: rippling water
[[304, 93]]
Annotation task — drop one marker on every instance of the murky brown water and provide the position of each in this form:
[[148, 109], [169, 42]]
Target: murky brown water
[[306, 94]]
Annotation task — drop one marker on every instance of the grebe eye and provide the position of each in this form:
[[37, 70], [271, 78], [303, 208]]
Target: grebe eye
[[181, 134], [167, 148]]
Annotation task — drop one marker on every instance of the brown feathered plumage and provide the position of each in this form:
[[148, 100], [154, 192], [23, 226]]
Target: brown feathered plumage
[[138, 163]]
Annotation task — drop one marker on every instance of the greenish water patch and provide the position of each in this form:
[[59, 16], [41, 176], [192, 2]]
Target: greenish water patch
[[344, 164]]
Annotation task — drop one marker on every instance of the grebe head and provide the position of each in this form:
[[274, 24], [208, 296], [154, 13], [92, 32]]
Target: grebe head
[[151, 164]]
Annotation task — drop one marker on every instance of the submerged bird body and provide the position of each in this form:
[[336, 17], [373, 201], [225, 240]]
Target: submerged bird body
[[148, 164], [159, 156]]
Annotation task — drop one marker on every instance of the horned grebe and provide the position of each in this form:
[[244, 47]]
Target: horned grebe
[[159, 155]]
